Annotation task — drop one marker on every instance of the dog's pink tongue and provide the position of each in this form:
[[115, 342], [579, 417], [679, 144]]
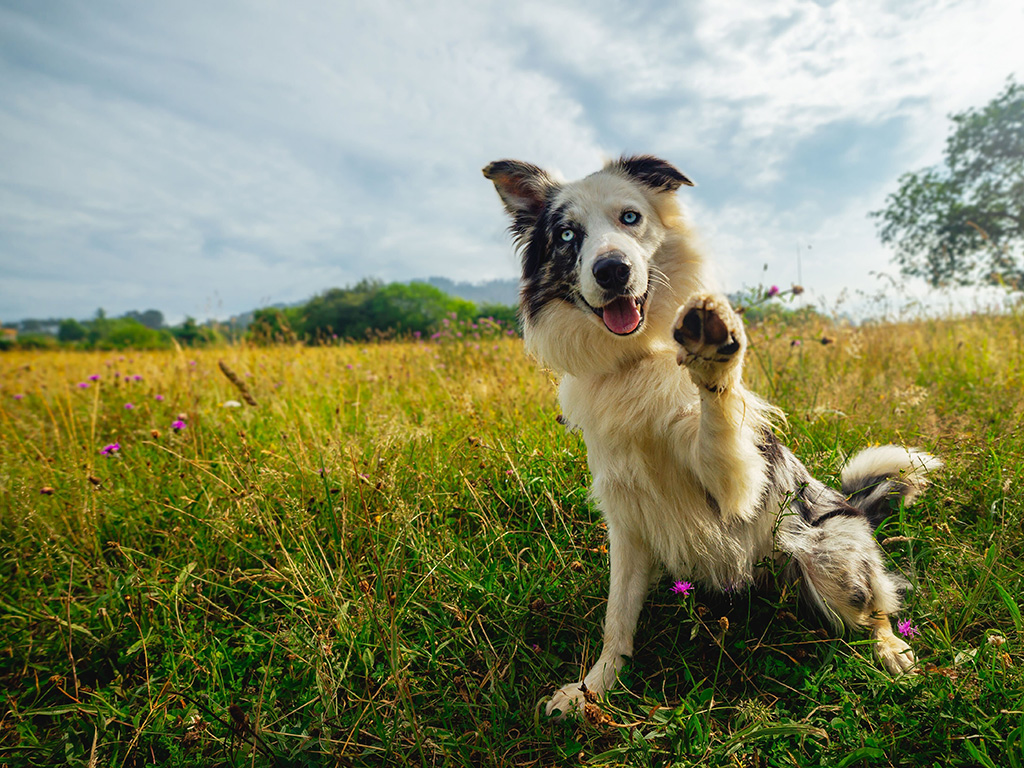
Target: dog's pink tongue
[[622, 316]]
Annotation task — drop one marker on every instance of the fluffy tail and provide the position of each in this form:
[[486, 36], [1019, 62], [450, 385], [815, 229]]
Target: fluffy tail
[[877, 477]]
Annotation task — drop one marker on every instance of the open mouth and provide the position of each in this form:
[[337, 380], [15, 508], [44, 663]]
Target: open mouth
[[623, 315]]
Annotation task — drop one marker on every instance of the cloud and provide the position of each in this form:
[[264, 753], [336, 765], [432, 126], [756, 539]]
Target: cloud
[[201, 158]]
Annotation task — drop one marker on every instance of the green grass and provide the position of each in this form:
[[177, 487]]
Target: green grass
[[392, 558]]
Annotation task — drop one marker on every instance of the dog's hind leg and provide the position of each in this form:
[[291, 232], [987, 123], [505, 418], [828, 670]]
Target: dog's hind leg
[[723, 444], [844, 577], [631, 566]]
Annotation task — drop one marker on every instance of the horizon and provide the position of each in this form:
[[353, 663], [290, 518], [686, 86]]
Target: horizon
[[210, 160]]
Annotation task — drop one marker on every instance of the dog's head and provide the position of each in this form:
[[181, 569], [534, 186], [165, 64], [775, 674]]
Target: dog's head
[[595, 259]]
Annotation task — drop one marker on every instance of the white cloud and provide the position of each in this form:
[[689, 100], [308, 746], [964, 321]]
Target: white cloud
[[198, 155]]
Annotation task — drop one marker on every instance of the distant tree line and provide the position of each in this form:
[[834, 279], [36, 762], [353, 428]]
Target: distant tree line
[[369, 310], [133, 330]]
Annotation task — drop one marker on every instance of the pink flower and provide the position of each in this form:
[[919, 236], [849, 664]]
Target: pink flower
[[108, 450], [177, 425], [94, 377], [773, 291], [83, 385], [158, 398], [682, 588], [907, 629], [129, 406], [18, 397]]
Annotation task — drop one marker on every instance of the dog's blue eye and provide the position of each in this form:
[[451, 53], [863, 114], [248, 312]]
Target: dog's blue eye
[[629, 217], [568, 235]]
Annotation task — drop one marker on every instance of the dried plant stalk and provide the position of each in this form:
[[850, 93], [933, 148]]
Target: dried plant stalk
[[233, 378]]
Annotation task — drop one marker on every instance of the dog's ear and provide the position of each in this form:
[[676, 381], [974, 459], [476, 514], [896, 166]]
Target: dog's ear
[[653, 172], [523, 189]]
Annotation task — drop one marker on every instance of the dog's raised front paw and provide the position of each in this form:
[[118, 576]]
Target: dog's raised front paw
[[568, 699], [711, 340]]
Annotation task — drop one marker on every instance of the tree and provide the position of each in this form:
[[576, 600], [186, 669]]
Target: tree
[[151, 318], [373, 307], [71, 330], [962, 223], [270, 326]]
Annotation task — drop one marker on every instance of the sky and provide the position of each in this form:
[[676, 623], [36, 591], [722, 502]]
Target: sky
[[206, 158]]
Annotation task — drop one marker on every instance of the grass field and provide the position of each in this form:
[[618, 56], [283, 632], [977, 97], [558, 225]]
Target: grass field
[[391, 558]]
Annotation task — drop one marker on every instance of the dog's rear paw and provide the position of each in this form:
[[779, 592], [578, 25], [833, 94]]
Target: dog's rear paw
[[569, 699], [895, 654], [710, 337]]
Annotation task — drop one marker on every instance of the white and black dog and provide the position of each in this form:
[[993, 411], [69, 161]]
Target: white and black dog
[[686, 468]]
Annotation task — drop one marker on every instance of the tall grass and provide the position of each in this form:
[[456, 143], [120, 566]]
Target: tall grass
[[392, 557]]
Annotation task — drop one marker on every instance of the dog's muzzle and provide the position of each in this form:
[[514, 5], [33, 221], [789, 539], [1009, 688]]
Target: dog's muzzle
[[624, 314]]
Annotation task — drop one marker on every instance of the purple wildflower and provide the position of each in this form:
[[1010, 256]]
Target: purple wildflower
[[773, 291], [129, 406], [18, 397], [907, 629], [94, 377], [158, 398], [682, 588], [83, 385], [108, 450], [137, 377], [177, 425]]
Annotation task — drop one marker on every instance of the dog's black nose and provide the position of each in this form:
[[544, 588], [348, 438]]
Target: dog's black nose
[[612, 271]]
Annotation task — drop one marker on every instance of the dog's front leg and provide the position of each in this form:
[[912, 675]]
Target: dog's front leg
[[723, 444], [631, 565]]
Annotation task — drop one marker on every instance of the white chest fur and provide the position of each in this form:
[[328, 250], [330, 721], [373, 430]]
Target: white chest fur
[[640, 426]]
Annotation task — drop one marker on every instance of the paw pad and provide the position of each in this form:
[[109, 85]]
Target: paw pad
[[709, 329]]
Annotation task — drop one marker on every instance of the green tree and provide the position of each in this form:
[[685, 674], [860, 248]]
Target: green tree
[[373, 307], [191, 334], [270, 325], [128, 333], [411, 307], [962, 223], [339, 311], [98, 328], [70, 330], [151, 318]]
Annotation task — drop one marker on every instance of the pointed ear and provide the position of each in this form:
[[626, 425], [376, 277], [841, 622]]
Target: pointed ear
[[653, 172], [523, 189]]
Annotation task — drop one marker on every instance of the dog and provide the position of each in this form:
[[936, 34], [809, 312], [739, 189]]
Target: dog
[[687, 471]]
